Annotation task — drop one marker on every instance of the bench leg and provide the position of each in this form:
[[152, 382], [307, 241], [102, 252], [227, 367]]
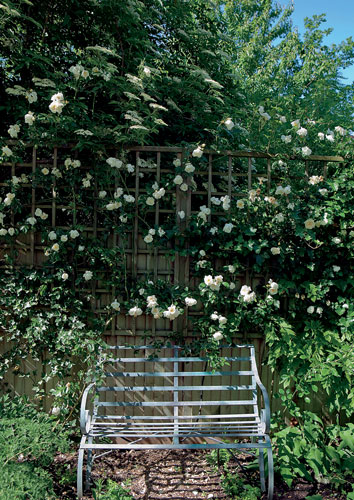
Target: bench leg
[[88, 466], [270, 474], [261, 468], [80, 463]]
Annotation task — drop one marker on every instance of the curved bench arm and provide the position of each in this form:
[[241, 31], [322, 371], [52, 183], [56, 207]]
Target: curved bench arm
[[85, 417], [265, 412]]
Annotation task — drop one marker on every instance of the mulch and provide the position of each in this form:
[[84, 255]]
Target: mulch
[[170, 475]]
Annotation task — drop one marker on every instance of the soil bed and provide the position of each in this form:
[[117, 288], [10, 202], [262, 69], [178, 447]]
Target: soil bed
[[170, 474]]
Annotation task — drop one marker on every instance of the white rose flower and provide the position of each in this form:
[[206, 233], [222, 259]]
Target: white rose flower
[[64, 238], [198, 152], [31, 220], [315, 179], [11, 231], [228, 227], [336, 240], [102, 194], [229, 124], [214, 230], [147, 71], [232, 286], [208, 280], [330, 137], [114, 162], [231, 269], [287, 189], [309, 224], [275, 250], [177, 162], [245, 290], [52, 235], [249, 297], [240, 204], [55, 411], [148, 238], [161, 232], [129, 198], [55, 247], [311, 309], [225, 202], [302, 132], [6, 151], [74, 234], [321, 136], [64, 276], [85, 74], [190, 301], [189, 168], [150, 201], [184, 187], [336, 269], [130, 168], [31, 96], [159, 193], [282, 119], [29, 118], [341, 131], [178, 180], [81, 248], [306, 151], [215, 201], [14, 130], [214, 316], [172, 312], [295, 124], [323, 191], [88, 275], [115, 305], [222, 320], [286, 138], [123, 218], [218, 336], [319, 310], [3, 231], [151, 301], [273, 287], [135, 311]]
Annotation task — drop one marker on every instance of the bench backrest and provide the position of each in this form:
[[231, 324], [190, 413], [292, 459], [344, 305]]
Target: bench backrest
[[143, 381]]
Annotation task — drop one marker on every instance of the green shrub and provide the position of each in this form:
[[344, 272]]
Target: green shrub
[[315, 452], [12, 406], [235, 488], [113, 491], [24, 481], [27, 446]]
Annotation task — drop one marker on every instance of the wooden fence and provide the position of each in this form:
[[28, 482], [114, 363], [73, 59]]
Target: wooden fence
[[231, 173]]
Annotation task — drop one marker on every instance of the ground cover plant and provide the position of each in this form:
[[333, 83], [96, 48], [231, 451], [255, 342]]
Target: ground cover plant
[[94, 77]]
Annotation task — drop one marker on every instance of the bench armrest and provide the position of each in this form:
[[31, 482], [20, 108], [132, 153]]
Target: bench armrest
[[265, 412], [85, 416]]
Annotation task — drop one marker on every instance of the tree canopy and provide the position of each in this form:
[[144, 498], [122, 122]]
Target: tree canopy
[[171, 72]]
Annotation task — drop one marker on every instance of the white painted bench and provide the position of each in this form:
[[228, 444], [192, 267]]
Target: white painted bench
[[135, 408]]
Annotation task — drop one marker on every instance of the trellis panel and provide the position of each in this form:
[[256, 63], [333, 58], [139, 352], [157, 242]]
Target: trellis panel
[[222, 173]]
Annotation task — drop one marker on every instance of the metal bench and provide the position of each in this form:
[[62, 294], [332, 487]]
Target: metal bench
[[176, 400]]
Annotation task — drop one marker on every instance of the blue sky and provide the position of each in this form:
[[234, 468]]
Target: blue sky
[[339, 15]]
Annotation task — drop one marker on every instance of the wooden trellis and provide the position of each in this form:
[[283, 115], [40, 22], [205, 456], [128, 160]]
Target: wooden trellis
[[231, 173]]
